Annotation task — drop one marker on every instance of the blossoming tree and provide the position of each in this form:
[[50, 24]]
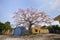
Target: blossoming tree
[[31, 17]]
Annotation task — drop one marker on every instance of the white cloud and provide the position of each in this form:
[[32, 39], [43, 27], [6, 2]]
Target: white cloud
[[56, 5]]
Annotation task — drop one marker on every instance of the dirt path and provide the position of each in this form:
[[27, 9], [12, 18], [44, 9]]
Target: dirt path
[[32, 37]]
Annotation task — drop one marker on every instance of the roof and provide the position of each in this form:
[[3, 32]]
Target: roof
[[57, 18]]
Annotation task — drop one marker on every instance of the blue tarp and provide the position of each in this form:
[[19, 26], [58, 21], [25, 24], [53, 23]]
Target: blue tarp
[[19, 31]]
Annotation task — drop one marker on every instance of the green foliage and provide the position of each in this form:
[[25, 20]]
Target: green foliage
[[44, 26], [7, 24], [4, 26], [54, 29]]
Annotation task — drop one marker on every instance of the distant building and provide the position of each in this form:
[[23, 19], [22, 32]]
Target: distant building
[[38, 30], [57, 18]]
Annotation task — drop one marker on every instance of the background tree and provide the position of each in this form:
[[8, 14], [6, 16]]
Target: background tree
[[31, 17], [54, 29], [44, 26], [2, 27], [50, 29], [8, 26]]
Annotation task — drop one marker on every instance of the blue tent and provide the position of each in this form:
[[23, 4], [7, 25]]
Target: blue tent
[[19, 31]]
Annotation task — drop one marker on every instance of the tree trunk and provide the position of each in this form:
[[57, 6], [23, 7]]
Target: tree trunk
[[30, 27]]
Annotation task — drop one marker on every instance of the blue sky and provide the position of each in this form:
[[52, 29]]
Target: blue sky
[[8, 7]]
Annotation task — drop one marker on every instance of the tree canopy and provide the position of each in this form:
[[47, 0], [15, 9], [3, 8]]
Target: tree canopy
[[31, 17], [7, 24]]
